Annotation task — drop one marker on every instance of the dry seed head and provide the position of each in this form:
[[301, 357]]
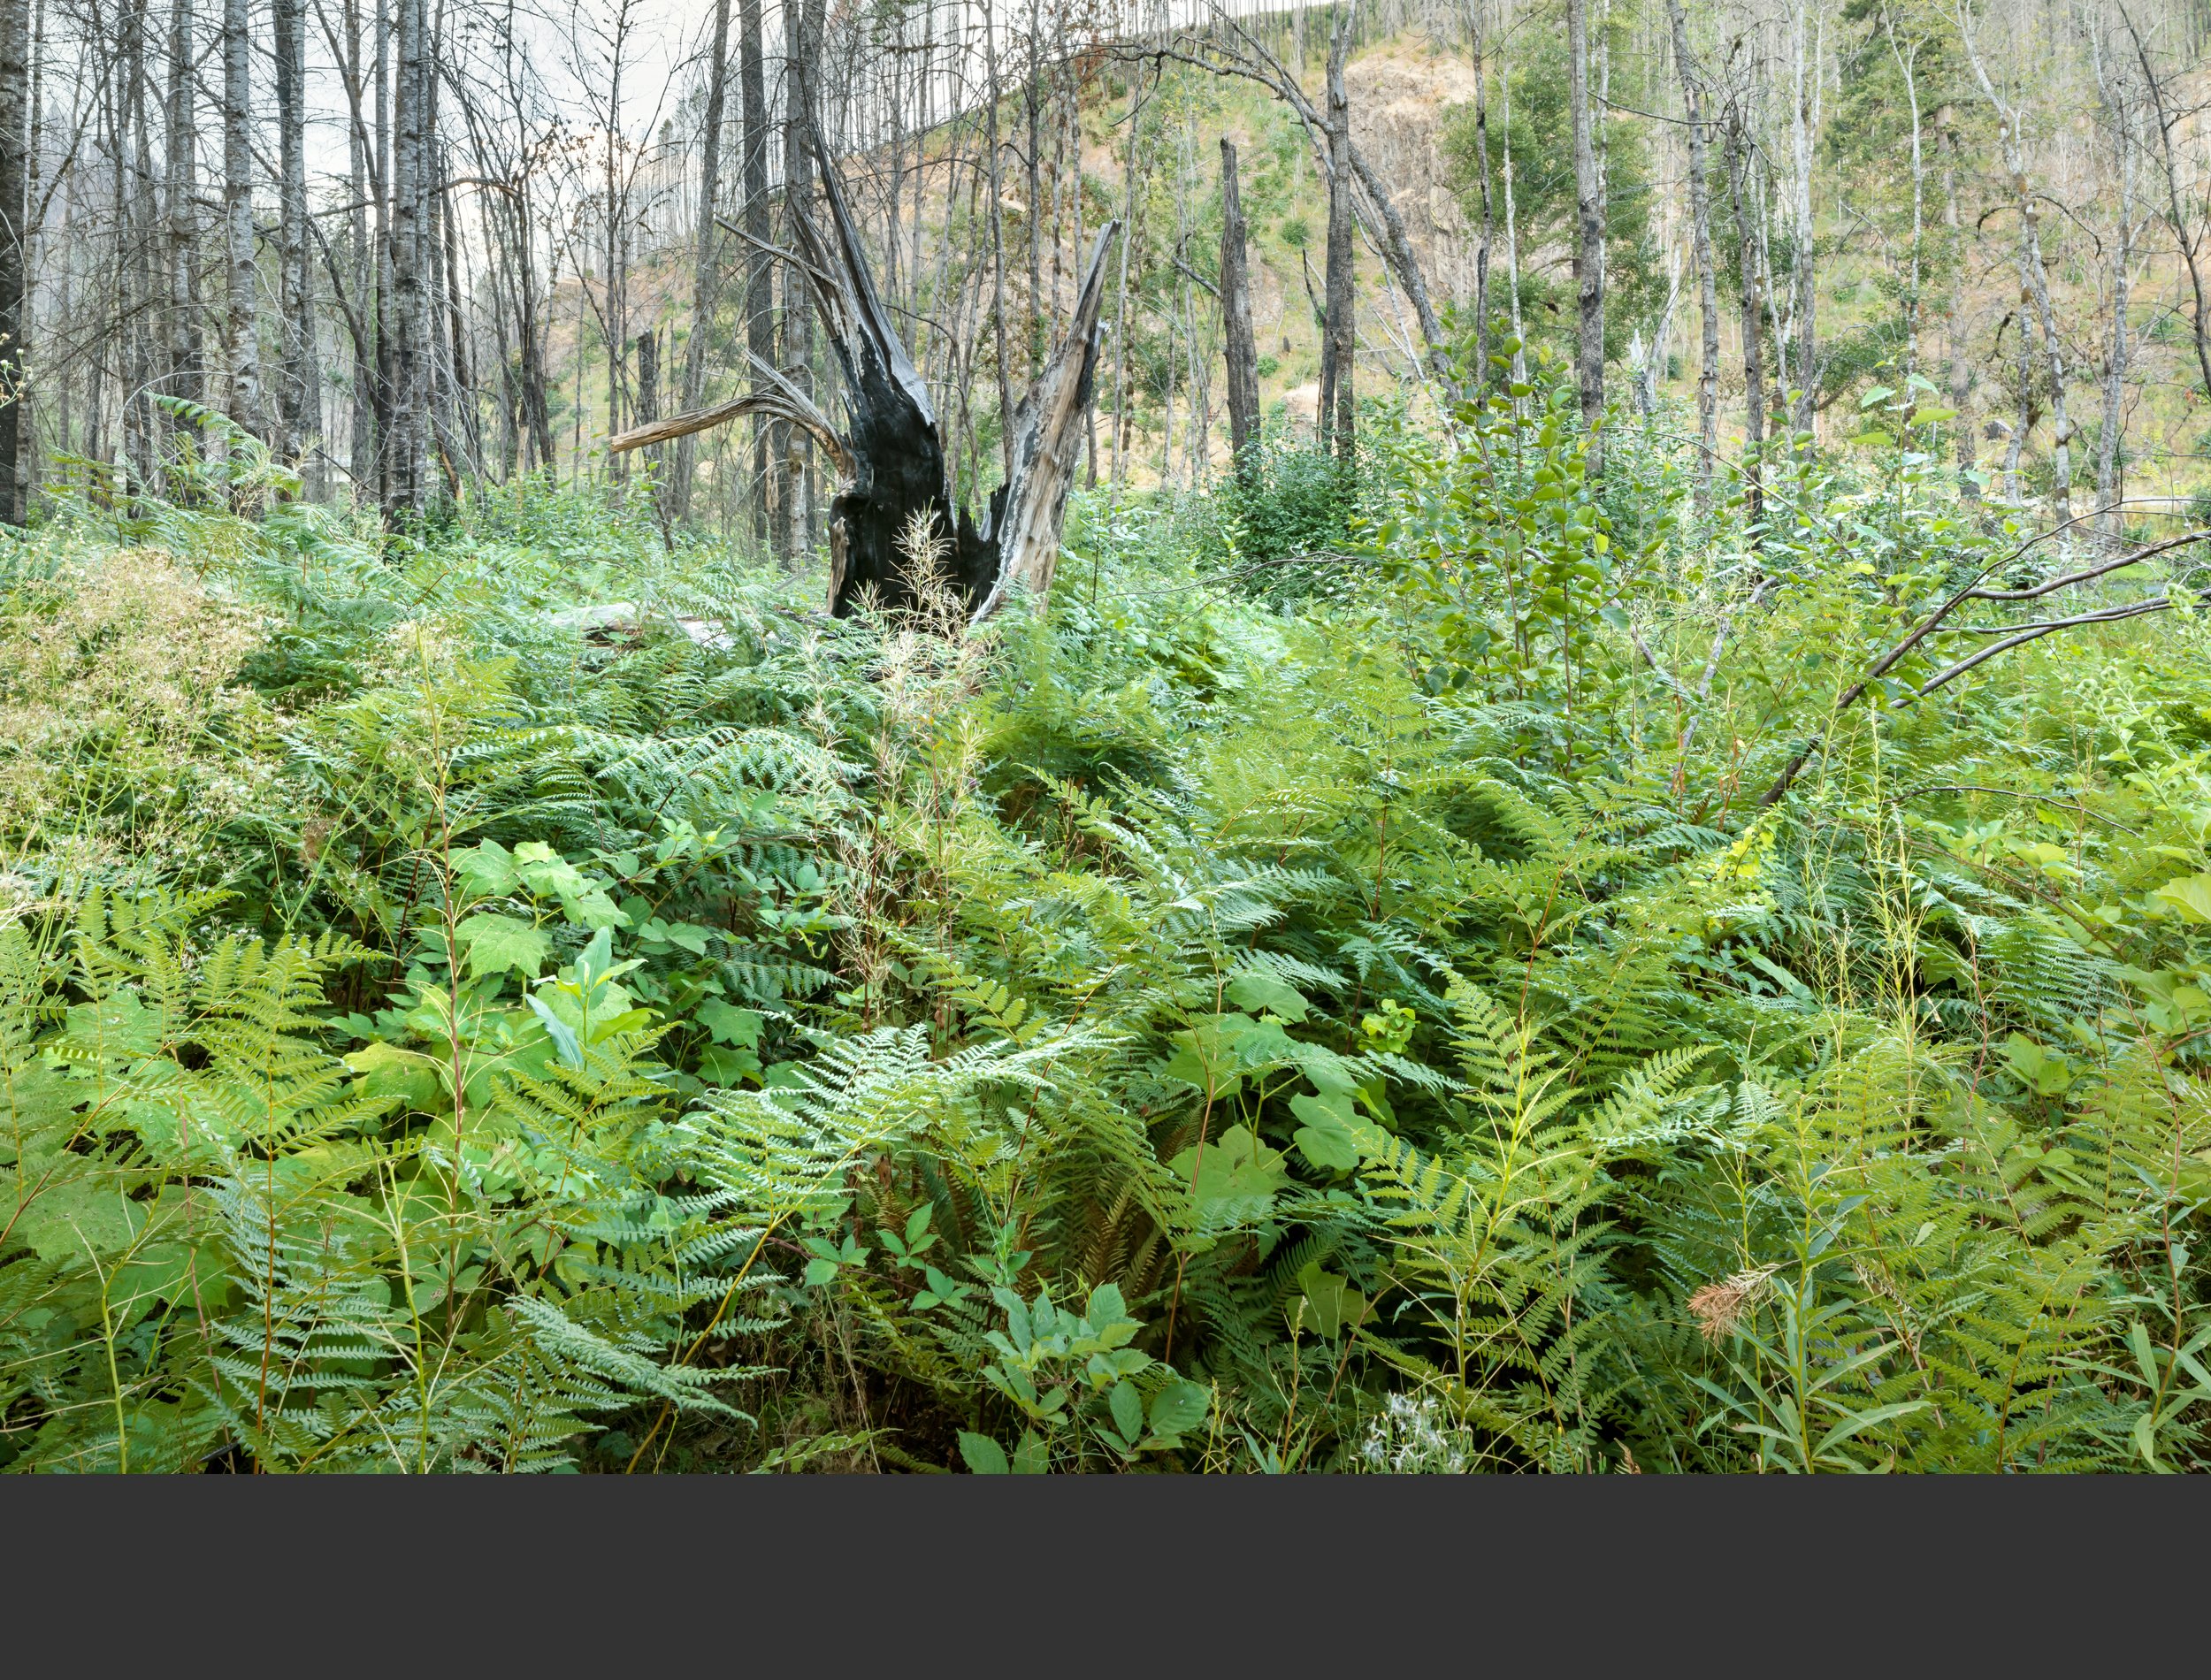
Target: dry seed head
[[1720, 1308]]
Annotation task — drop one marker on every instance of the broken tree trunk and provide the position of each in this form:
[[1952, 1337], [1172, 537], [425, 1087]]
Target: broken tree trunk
[[890, 453], [1027, 510]]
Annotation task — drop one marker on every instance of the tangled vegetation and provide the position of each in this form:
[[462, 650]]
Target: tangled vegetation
[[1333, 994]]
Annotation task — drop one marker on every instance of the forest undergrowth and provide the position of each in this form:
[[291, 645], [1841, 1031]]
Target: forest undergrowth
[[1333, 993]]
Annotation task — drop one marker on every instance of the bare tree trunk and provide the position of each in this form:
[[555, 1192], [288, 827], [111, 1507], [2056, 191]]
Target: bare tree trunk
[[1489, 209], [107, 353], [2187, 236], [504, 298], [65, 300], [797, 317], [802, 38], [2023, 390], [38, 197], [2038, 293], [1960, 359], [2114, 373], [760, 299], [1239, 346], [1700, 237], [648, 377], [706, 272], [1906, 65], [301, 396], [1588, 261], [467, 432], [1738, 148], [998, 238], [141, 232], [14, 40], [1769, 294], [1339, 345], [783, 440], [1227, 49], [408, 468], [2009, 126], [1127, 237], [1512, 236], [240, 339], [1805, 91], [387, 463], [361, 446], [1074, 145], [181, 145], [1030, 92], [614, 321]]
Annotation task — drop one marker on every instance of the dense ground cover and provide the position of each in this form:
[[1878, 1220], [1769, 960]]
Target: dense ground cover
[[1328, 995]]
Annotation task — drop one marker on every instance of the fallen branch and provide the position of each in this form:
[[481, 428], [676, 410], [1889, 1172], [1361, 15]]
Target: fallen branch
[[2089, 576], [779, 399], [1974, 591], [2032, 633], [2015, 793]]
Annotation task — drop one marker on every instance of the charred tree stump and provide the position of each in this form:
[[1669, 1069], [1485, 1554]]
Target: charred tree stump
[[891, 451]]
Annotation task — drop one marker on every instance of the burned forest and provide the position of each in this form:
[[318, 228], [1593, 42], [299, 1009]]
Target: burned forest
[[1183, 736]]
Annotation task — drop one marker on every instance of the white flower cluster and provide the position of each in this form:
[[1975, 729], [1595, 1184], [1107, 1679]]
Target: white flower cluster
[[1411, 1438]]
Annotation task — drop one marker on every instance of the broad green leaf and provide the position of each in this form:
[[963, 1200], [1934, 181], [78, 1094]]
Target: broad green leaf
[[564, 1035], [486, 871], [1179, 1407], [2190, 895], [2144, 1433], [1329, 1137], [1260, 1045], [728, 1068], [388, 1070], [1105, 1306], [1127, 1409], [1233, 1178], [1331, 1304], [1864, 1420], [1205, 1060], [497, 944], [729, 1024], [1262, 992], [1328, 1070], [982, 1455], [2145, 1356], [81, 1217]]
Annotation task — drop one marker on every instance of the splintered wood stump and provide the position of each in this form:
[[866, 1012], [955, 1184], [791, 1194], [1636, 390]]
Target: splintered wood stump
[[1028, 509], [890, 453]]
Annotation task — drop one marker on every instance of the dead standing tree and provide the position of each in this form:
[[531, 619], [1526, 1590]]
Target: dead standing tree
[[892, 451], [1224, 47], [1236, 315]]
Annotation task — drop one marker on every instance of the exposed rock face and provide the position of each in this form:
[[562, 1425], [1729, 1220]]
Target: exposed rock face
[[1400, 100]]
